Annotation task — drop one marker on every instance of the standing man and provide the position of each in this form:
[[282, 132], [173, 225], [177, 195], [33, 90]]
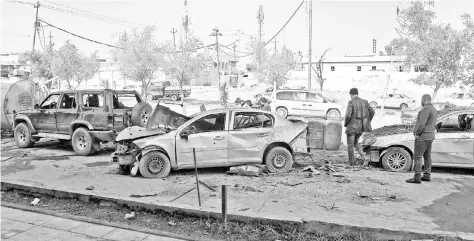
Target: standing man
[[359, 114], [424, 133]]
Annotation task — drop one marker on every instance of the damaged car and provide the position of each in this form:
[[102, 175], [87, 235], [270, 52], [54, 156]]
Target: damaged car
[[393, 146], [219, 138]]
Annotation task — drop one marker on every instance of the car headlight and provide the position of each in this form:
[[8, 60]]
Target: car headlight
[[369, 141]]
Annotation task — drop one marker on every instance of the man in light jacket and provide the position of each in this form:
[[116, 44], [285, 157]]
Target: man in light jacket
[[359, 114], [425, 131]]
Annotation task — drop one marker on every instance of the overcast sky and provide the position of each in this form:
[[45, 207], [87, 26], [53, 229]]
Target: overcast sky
[[347, 27]]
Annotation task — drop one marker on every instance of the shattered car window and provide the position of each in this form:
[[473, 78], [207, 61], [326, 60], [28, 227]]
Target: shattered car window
[[68, 101], [122, 101], [51, 102], [245, 120], [456, 123], [209, 123], [93, 99]]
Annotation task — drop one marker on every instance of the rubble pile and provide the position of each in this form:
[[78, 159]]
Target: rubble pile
[[389, 130]]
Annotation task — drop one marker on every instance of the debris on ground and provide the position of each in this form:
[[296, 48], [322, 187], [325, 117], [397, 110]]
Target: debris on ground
[[247, 188], [188, 191], [244, 209], [130, 216], [329, 207], [290, 183], [211, 187], [362, 195], [247, 170], [343, 180], [328, 168], [90, 188], [134, 170], [35, 201], [338, 174], [172, 223], [311, 169], [145, 195], [377, 181]]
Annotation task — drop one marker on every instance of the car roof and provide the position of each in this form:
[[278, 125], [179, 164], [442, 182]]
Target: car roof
[[93, 90]]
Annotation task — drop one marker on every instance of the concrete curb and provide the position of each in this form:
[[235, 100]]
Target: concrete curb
[[311, 225], [97, 221]]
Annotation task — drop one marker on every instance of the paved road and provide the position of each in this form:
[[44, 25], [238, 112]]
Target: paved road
[[25, 226]]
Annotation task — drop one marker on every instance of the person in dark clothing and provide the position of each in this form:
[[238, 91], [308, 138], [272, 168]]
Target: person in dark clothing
[[424, 132], [359, 114]]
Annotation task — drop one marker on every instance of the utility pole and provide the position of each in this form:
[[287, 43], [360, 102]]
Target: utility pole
[[310, 64], [50, 39], [275, 46], [36, 25], [174, 39], [235, 66], [217, 34]]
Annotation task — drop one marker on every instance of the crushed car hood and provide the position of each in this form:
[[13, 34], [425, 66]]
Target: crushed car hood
[[166, 119], [137, 132], [389, 130]]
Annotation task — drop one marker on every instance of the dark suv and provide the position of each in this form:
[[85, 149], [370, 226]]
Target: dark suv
[[86, 117]]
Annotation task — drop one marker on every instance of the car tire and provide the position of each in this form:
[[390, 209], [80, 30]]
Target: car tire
[[154, 165], [82, 142], [373, 104], [23, 136], [282, 111], [333, 113], [174, 97], [397, 160], [403, 106], [140, 114], [278, 160]]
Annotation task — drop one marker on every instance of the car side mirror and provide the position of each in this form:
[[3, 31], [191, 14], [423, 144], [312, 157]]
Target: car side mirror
[[184, 134], [36, 106]]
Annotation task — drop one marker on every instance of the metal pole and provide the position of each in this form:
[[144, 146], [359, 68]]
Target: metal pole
[[310, 64], [224, 206], [197, 178], [36, 25], [174, 39], [388, 82], [216, 32]]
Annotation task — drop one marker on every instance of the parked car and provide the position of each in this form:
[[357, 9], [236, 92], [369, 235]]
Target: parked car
[[393, 146], [303, 103], [409, 115], [220, 138], [86, 117], [165, 90], [132, 87], [393, 100], [461, 99]]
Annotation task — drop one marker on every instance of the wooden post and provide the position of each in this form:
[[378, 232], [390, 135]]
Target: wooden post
[[224, 206], [197, 178]]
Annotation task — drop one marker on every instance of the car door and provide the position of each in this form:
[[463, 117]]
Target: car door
[[122, 102], [249, 134], [315, 105], [209, 136], [285, 99], [454, 145], [67, 112], [46, 118]]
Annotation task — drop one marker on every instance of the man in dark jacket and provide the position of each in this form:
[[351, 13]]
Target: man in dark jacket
[[425, 131], [359, 114]]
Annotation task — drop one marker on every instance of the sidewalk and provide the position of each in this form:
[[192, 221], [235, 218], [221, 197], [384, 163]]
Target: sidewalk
[[24, 226]]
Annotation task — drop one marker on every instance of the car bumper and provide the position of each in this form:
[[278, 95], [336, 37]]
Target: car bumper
[[122, 159], [104, 136]]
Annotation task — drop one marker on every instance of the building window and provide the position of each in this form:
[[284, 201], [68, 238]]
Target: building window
[[359, 68], [374, 68], [333, 68]]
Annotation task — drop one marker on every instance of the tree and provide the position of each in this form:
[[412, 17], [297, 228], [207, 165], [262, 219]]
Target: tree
[[277, 67], [468, 51], [69, 65], [139, 56], [261, 54], [260, 17], [434, 47], [42, 63], [319, 70], [187, 64]]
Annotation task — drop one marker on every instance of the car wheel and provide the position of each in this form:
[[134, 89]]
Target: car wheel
[[397, 160], [278, 159], [403, 106], [174, 97], [23, 136], [373, 104], [282, 111], [155, 165], [333, 114], [140, 114], [82, 142]]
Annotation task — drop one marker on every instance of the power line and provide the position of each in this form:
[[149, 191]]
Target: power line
[[95, 14], [26, 3], [233, 49], [274, 36]]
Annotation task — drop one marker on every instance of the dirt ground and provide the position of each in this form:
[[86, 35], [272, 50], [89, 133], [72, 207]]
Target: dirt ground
[[368, 198]]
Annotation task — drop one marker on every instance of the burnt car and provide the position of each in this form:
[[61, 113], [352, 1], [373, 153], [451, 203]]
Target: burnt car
[[220, 138], [86, 117], [409, 115], [393, 146]]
